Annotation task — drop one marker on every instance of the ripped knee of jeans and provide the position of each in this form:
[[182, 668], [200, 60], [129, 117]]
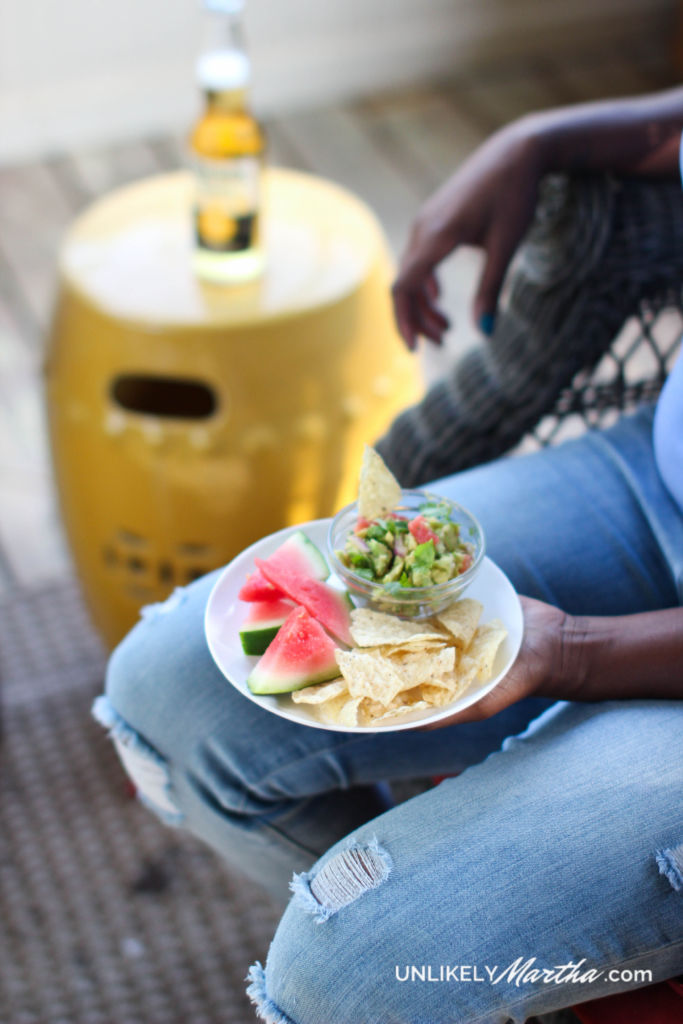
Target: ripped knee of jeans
[[145, 766], [670, 864], [344, 878]]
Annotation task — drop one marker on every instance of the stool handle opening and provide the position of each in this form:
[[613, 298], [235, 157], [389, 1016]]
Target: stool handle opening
[[166, 397]]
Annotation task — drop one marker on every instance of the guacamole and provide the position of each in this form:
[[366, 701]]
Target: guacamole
[[417, 552]]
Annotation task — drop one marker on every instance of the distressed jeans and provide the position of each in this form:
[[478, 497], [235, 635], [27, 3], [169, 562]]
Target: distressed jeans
[[557, 841]]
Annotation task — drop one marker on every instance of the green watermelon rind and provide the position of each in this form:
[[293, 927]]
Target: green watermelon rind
[[255, 639], [264, 683], [263, 621]]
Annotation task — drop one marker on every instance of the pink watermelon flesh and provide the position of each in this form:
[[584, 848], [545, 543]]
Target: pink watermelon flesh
[[257, 588], [300, 655], [328, 606], [263, 612], [300, 556], [261, 624]]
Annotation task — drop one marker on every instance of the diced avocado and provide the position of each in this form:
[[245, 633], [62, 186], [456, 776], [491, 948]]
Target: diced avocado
[[381, 556], [424, 555], [421, 576], [443, 569], [450, 535], [395, 571]]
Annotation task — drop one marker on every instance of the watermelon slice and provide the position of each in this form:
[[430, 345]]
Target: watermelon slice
[[263, 620], [301, 654], [257, 588], [298, 555], [330, 607]]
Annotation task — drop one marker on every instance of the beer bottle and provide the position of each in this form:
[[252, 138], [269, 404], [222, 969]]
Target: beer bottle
[[227, 147]]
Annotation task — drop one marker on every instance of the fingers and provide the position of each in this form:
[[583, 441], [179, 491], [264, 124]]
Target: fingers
[[498, 255], [415, 308], [505, 232]]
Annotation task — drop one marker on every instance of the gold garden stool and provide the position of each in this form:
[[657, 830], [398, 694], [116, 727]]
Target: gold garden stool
[[186, 419]]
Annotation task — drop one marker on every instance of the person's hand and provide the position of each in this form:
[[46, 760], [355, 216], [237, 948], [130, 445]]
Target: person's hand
[[489, 202], [540, 668]]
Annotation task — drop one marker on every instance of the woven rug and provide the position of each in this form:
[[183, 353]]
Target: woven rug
[[106, 917]]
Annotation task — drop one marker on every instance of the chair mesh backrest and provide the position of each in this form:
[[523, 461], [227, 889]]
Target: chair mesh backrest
[[631, 372]]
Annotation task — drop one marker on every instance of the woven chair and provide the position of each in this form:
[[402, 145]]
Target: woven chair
[[589, 326]]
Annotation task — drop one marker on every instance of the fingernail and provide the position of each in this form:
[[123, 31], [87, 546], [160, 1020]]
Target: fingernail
[[487, 322]]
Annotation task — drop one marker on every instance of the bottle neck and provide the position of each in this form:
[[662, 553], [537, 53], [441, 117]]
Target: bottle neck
[[223, 66], [226, 101]]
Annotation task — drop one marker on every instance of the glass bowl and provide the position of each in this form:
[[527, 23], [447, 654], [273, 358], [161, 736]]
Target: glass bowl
[[392, 598]]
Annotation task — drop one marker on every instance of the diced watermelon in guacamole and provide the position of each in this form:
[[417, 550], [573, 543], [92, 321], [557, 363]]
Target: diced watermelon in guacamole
[[421, 531]]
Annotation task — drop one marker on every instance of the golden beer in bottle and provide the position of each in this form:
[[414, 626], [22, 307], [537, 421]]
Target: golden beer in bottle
[[227, 147]]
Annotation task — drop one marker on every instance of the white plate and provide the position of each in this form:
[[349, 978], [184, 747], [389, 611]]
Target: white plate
[[225, 614]]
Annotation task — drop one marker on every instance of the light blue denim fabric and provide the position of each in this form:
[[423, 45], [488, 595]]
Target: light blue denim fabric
[[561, 839]]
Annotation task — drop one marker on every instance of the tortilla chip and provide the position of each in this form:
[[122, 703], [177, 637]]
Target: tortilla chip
[[438, 696], [369, 674], [461, 619], [396, 712], [320, 692], [477, 661], [419, 666], [427, 644], [379, 492], [341, 710], [370, 628]]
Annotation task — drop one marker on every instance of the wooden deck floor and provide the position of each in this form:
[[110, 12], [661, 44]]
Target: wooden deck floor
[[391, 150]]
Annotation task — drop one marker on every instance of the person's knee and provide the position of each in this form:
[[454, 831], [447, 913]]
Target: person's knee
[[148, 704], [314, 971], [354, 933], [158, 671]]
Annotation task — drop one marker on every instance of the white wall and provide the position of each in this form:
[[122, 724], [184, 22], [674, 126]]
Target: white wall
[[79, 72]]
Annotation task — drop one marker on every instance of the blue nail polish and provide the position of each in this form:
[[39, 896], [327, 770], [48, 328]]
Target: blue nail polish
[[487, 321]]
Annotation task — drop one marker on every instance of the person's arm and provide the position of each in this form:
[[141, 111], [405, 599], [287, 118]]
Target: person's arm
[[490, 200], [589, 658], [621, 657], [636, 136]]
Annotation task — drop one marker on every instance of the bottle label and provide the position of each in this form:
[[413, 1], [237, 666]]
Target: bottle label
[[226, 214]]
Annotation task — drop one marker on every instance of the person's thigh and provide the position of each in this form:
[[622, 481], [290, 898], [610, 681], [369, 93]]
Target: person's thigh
[[565, 847], [580, 525]]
